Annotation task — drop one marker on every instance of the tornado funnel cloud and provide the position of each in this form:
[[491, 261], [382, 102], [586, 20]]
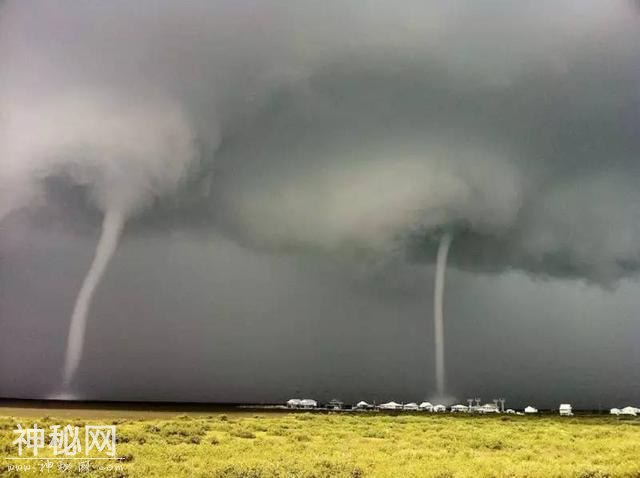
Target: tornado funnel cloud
[[438, 314], [112, 226]]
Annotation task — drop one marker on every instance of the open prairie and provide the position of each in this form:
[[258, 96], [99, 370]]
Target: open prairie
[[255, 444]]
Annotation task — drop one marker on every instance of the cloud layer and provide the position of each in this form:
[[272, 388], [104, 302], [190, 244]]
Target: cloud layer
[[339, 128]]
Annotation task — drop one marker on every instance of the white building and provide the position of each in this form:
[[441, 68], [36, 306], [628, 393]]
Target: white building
[[411, 407], [565, 410], [530, 409], [294, 403], [488, 408], [308, 403], [511, 411], [459, 408], [439, 408], [390, 406], [614, 411], [426, 407], [362, 405], [629, 411]]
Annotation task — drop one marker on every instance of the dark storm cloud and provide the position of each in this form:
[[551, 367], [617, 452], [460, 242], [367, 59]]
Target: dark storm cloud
[[337, 127], [539, 174]]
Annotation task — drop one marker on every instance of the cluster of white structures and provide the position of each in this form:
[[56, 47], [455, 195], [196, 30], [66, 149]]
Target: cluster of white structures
[[411, 407], [496, 407], [632, 411], [474, 406]]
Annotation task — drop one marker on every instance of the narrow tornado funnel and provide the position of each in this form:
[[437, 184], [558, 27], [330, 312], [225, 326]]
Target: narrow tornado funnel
[[438, 316], [112, 225]]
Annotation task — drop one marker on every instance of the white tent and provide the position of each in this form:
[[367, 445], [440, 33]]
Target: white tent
[[390, 406], [629, 411], [439, 408], [412, 406], [293, 403], [530, 409], [615, 411], [362, 404], [459, 408], [565, 410], [426, 406], [308, 403]]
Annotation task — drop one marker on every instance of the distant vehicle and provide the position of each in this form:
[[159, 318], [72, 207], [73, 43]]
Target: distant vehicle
[[439, 408], [459, 408], [530, 409], [390, 406], [308, 403], [411, 407], [511, 411], [426, 407], [565, 410]]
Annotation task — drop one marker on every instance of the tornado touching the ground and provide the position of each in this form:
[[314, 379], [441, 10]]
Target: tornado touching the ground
[[438, 315], [112, 225]]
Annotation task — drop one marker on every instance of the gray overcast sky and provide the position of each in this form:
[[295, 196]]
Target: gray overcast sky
[[287, 169]]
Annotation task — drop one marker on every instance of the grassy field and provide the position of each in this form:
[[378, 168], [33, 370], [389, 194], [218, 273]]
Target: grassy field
[[255, 445]]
